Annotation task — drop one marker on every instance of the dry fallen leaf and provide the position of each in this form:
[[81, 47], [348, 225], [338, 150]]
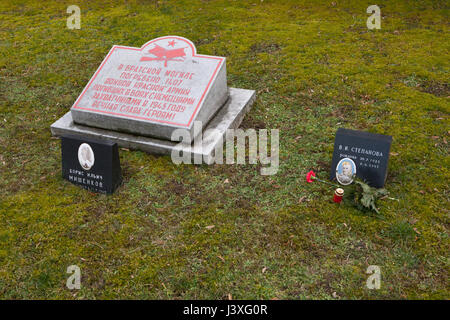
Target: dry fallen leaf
[[209, 227]]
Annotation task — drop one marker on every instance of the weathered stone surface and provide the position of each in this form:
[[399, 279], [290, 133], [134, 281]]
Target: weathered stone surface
[[229, 117], [153, 90]]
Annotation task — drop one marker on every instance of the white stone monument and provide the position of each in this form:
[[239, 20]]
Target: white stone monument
[[139, 96]]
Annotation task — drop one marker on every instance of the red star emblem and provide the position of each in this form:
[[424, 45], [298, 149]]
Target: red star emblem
[[172, 43]]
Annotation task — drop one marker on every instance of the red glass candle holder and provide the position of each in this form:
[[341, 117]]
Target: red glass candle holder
[[338, 194]]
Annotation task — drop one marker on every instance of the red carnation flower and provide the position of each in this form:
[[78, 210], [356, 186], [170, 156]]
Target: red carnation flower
[[309, 176]]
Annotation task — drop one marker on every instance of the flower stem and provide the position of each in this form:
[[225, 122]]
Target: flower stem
[[331, 184]]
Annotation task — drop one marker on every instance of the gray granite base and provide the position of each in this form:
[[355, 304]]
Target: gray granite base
[[228, 117]]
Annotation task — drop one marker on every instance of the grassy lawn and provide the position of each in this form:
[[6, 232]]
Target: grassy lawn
[[211, 232]]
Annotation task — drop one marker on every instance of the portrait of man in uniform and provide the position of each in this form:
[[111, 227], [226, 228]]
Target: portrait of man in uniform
[[86, 156]]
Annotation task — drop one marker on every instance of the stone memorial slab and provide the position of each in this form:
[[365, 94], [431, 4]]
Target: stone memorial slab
[[91, 164], [153, 90], [139, 96], [369, 152], [229, 116]]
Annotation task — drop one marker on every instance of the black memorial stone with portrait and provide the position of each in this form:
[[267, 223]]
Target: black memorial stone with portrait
[[91, 164], [369, 151]]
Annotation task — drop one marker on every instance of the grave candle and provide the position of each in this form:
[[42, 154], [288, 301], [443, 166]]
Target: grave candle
[[338, 194]]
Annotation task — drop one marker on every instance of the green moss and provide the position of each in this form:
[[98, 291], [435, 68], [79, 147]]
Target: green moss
[[181, 231]]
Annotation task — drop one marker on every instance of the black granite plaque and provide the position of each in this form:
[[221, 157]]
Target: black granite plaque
[[91, 164], [369, 151]]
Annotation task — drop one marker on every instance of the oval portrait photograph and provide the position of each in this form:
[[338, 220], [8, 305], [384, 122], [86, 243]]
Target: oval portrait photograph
[[345, 171], [86, 156]]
